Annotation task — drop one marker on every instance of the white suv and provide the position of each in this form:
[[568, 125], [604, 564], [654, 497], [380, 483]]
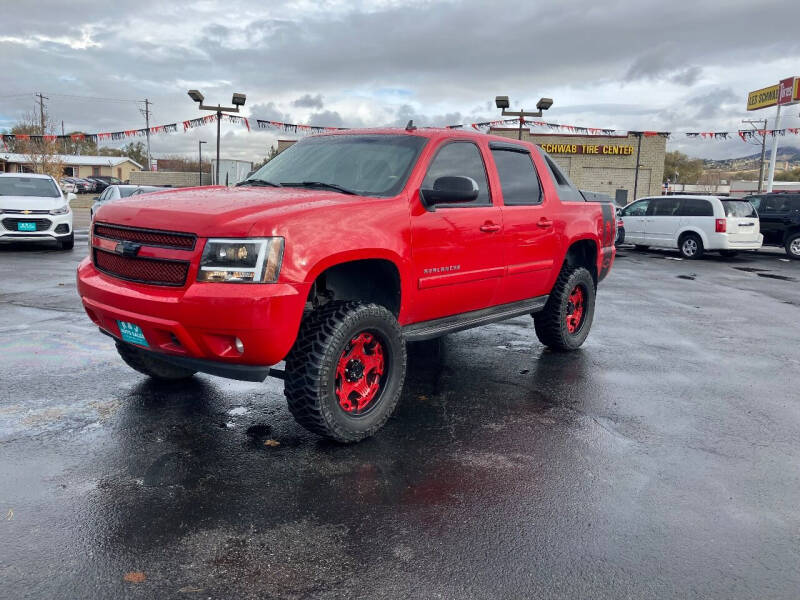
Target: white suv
[[692, 224], [33, 208]]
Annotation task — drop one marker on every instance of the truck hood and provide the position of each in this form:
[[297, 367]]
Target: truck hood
[[218, 211], [30, 202]]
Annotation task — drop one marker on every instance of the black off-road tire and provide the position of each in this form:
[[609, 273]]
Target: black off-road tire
[[551, 322], [151, 366], [690, 246], [792, 246], [311, 370], [68, 242]]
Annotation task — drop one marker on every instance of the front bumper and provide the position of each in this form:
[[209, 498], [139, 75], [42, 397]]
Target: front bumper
[[60, 227], [201, 320]]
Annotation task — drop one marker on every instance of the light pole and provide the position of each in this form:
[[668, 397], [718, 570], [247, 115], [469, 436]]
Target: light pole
[[502, 103], [237, 101], [200, 161]]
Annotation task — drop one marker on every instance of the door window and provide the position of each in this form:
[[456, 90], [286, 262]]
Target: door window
[[518, 179], [776, 204], [664, 207], [637, 209], [460, 159], [756, 201], [695, 207]]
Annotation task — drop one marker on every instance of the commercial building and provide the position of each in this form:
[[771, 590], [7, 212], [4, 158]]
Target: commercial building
[[120, 167], [604, 163]]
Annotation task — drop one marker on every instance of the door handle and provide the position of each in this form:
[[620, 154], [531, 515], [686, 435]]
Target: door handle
[[544, 223], [490, 227]]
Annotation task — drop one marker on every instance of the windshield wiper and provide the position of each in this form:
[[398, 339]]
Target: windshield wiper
[[320, 184], [258, 182]]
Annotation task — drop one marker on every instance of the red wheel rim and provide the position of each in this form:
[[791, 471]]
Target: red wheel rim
[[359, 372], [575, 308]]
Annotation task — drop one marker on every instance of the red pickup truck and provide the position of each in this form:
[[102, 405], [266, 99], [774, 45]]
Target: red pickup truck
[[335, 254]]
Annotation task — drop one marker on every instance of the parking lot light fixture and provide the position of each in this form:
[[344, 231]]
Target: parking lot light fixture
[[237, 100], [503, 104]]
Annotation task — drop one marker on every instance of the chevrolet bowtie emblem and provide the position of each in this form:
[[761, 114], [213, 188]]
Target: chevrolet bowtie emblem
[[26, 212], [127, 248]]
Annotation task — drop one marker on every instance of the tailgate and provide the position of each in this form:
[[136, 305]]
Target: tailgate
[[743, 229]]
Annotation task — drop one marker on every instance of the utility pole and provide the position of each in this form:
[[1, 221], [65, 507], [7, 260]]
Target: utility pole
[[638, 134], [763, 123], [774, 153], [41, 109], [146, 113], [200, 160]]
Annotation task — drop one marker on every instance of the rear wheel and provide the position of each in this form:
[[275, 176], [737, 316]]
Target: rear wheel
[[793, 246], [346, 370], [567, 317], [691, 246], [149, 365], [620, 237]]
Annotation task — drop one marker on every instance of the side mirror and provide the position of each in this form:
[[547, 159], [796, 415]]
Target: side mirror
[[71, 197], [450, 190]]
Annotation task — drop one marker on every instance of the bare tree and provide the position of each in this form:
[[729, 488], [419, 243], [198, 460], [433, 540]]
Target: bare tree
[[41, 149]]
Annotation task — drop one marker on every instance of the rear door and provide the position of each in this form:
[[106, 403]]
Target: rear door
[[634, 216], [457, 249], [662, 222], [528, 231], [742, 221]]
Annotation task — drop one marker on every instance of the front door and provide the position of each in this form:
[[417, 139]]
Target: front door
[[634, 218], [457, 249]]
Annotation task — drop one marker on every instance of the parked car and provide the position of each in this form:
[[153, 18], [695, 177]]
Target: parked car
[[336, 253], [692, 224], [779, 213], [83, 186], [103, 181], [68, 186], [34, 209], [117, 192], [620, 227]]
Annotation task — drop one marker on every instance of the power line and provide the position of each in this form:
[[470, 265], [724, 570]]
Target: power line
[[91, 98]]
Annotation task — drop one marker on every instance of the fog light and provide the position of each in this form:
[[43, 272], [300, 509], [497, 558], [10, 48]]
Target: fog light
[[239, 345]]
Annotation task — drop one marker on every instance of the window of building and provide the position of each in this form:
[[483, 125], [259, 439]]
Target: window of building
[[95, 170], [518, 178], [461, 159]]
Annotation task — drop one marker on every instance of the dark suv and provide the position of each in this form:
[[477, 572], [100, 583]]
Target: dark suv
[[779, 213]]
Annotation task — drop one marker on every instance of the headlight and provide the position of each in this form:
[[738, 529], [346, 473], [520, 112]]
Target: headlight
[[61, 210], [247, 260]]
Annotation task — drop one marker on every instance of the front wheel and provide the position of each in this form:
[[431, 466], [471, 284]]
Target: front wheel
[[793, 246], [149, 365], [346, 370], [68, 242], [567, 317]]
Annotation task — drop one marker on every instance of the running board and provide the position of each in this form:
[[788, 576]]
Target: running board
[[427, 330]]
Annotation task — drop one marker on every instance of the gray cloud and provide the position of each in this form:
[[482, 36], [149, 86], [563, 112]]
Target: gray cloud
[[630, 65], [309, 101]]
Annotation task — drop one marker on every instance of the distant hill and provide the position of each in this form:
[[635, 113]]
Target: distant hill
[[785, 153]]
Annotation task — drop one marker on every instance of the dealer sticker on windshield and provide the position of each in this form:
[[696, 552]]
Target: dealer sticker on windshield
[[131, 333]]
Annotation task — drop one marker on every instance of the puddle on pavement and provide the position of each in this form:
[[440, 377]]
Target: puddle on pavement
[[776, 276]]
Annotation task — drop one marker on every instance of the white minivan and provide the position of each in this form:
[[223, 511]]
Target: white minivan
[[33, 208], [692, 224]]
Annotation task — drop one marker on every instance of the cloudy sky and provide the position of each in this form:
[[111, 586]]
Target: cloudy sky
[[669, 65]]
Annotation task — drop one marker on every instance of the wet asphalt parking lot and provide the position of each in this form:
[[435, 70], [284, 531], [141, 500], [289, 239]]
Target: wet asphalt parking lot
[[660, 461]]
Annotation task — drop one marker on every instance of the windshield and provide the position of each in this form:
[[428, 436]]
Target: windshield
[[28, 186], [369, 165], [125, 192], [739, 208]]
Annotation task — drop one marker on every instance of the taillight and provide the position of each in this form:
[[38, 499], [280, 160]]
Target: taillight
[[722, 225]]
